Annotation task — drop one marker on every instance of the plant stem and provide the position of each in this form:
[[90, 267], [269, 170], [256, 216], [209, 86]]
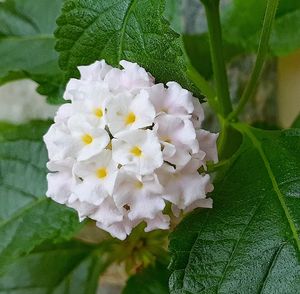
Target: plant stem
[[262, 53], [204, 86], [216, 49]]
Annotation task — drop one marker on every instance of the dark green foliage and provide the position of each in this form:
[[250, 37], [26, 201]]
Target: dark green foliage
[[249, 242], [69, 268], [27, 43], [27, 217], [152, 280], [134, 30]]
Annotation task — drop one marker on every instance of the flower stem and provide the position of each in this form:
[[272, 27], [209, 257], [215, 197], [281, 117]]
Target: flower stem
[[217, 56], [204, 86], [262, 53]]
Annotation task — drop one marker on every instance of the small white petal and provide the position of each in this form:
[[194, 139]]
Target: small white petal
[[95, 71], [175, 100], [128, 112], [88, 139], [119, 230], [98, 175], [140, 196], [61, 181], [64, 112], [138, 151], [132, 78], [161, 222], [208, 143], [198, 113], [107, 213], [182, 189]]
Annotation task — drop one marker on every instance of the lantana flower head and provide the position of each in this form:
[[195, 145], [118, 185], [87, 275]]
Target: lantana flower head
[[123, 147]]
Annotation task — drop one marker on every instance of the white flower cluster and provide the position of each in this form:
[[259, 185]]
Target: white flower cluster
[[125, 146]]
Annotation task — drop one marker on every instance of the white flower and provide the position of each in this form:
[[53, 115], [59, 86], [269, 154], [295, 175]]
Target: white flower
[[173, 100], [128, 112], [124, 147], [178, 138], [198, 114], [184, 188], [94, 72], [141, 196], [131, 78], [138, 151], [88, 140], [98, 176], [61, 180], [208, 144]]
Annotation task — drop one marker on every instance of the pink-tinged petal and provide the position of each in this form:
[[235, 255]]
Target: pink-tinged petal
[[181, 100], [107, 213], [208, 143], [119, 230], [198, 114], [160, 221], [146, 207], [95, 71]]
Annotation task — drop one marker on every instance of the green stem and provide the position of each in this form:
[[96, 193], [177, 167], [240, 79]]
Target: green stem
[[262, 53], [204, 86], [216, 49], [223, 137]]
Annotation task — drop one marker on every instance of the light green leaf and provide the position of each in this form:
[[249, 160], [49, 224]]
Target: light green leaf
[[296, 123], [152, 280], [173, 13], [27, 217], [27, 41], [197, 48], [113, 30], [70, 267], [285, 38], [249, 242], [242, 22]]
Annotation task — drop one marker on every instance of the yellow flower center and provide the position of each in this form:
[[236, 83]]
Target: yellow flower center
[[109, 146], [136, 151], [98, 112], [101, 173], [167, 140], [130, 118], [139, 185], [87, 139]]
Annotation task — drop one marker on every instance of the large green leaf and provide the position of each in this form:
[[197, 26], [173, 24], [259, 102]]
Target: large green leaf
[[65, 268], [152, 280], [197, 48], [27, 217], [27, 42], [242, 21], [249, 242], [296, 123], [113, 30]]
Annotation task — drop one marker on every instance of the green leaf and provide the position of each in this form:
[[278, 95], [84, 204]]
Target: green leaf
[[249, 242], [173, 14], [27, 217], [296, 123], [197, 48], [70, 267], [27, 41], [285, 39], [113, 30], [242, 22], [152, 280]]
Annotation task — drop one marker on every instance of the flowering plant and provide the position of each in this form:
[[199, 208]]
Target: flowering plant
[[131, 177], [124, 146]]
